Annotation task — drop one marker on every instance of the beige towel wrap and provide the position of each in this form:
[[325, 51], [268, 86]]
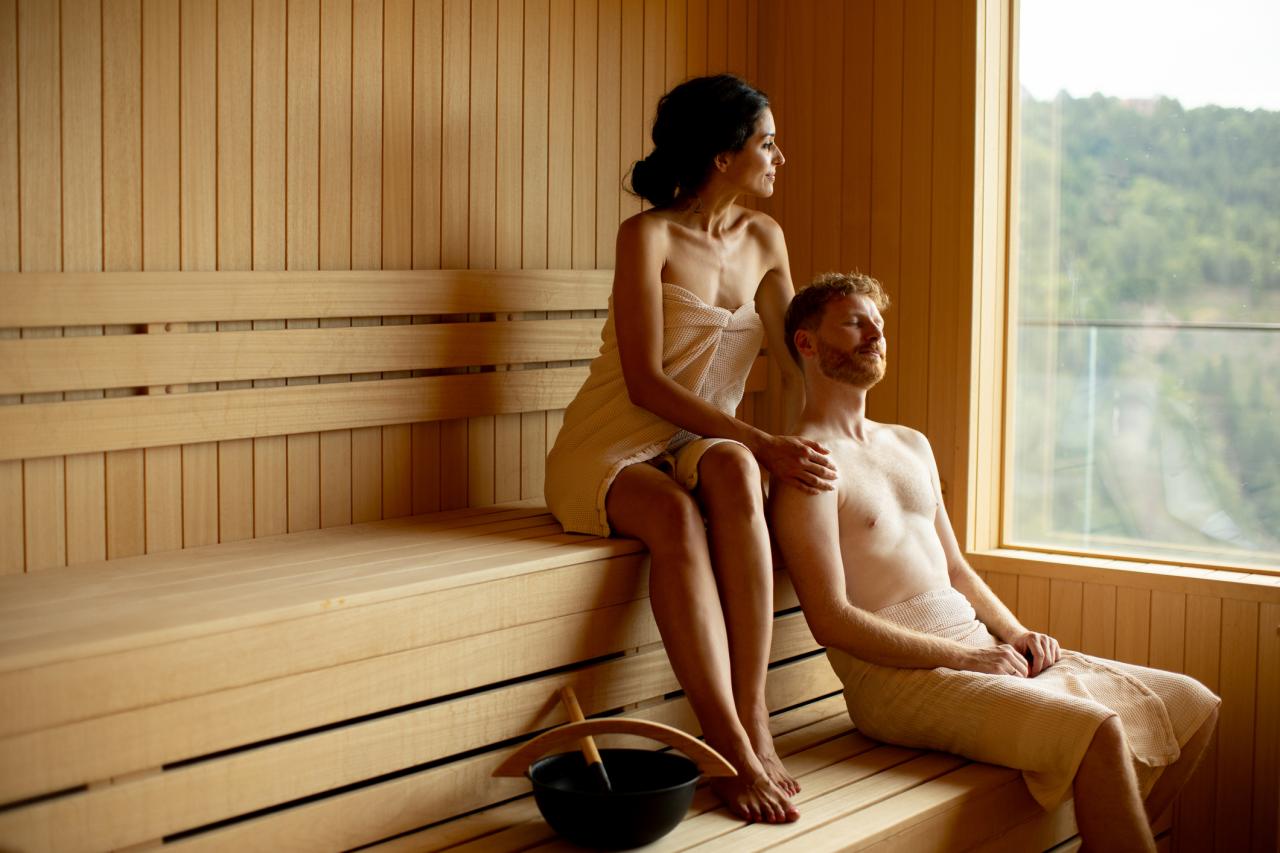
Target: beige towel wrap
[[1041, 726], [706, 349]]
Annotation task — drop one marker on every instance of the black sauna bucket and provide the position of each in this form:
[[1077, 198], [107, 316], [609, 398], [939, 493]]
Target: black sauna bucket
[[651, 790]]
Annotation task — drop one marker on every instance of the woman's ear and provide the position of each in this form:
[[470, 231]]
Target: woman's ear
[[722, 161]]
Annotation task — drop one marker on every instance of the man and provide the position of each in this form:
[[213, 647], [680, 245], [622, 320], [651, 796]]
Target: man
[[929, 656]]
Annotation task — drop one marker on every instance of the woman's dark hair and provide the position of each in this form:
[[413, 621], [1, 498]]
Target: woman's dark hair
[[695, 121]]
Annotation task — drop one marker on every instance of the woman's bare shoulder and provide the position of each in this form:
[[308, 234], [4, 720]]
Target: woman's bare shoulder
[[648, 225]]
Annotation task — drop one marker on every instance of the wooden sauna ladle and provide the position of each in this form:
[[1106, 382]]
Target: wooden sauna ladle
[[596, 773]]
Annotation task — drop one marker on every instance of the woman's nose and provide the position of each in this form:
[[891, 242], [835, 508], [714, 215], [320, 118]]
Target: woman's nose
[[778, 159]]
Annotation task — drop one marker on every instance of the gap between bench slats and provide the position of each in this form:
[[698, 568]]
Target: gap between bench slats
[[204, 792]]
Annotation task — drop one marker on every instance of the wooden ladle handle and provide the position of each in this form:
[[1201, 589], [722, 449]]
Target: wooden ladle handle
[[710, 762]]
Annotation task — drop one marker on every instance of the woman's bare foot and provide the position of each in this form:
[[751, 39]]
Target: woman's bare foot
[[777, 773], [755, 800]]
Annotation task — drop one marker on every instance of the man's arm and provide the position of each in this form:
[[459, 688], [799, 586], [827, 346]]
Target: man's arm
[[991, 611], [806, 528]]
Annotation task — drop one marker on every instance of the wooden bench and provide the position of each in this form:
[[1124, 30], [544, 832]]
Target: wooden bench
[[336, 688]]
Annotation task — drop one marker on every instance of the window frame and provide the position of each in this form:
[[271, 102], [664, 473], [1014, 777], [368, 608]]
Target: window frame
[[982, 512]]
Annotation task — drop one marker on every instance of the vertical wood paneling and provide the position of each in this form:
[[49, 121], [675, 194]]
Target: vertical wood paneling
[[950, 243], [828, 95], [482, 211], [1194, 813], [886, 185], [198, 214], [695, 37], [335, 135], [632, 116], [585, 136], [1098, 622], [855, 194], [560, 136], [12, 510], [677, 21], [270, 458], [1266, 747], [428, 95], [510, 119], [455, 226], [719, 17], [428, 51], [335, 228], [302, 227], [1033, 602], [1133, 625], [161, 234], [913, 304], [654, 66], [81, 51], [533, 220], [122, 236], [366, 222], [1005, 586], [740, 38], [40, 214], [1238, 681], [397, 222], [235, 234], [1066, 601], [796, 127], [608, 131], [1168, 615]]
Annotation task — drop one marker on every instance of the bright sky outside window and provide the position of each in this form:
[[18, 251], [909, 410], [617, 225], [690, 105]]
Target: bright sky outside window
[[1146, 371]]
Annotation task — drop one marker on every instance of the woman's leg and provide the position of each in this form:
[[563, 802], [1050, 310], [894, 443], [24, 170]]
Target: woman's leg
[[647, 504], [730, 494]]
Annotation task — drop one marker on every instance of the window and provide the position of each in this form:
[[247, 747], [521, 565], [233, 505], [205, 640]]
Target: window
[[1145, 362]]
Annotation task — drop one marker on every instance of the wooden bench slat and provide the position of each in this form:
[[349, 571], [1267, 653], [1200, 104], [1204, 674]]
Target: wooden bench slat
[[517, 826], [198, 599], [206, 792], [127, 361], [130, 575], [952, 811], [32, 299], [34, 430], [202, 724], [80, 685], [372, 813]]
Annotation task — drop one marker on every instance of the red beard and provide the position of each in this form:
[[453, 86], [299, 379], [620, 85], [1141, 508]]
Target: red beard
[[852, 368]]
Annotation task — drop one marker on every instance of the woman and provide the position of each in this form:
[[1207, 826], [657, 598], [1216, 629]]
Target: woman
[[650, 447]]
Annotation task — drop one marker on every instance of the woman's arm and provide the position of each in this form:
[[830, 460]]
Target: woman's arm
[[772, 298], [637, 317]]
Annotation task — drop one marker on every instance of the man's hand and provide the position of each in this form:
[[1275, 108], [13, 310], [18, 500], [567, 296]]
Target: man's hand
[[1040, 649], [800, 461], [1000, 660]]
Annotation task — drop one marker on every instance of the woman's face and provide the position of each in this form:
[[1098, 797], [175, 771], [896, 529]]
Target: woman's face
[[754, 168]]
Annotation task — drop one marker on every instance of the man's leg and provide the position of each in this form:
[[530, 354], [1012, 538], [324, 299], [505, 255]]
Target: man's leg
[[729, 491], [1109, 811], [1177, 773]]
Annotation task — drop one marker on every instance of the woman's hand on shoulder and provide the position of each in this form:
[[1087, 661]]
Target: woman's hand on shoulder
[[801, 462]]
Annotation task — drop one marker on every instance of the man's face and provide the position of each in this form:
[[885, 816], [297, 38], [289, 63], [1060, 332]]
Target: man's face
[[850, 342]]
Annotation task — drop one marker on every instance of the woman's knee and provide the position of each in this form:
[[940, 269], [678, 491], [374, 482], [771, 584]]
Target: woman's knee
[[729, 469], [674, 523]]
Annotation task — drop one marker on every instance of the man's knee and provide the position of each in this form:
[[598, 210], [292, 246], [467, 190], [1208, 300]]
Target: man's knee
[[1109, 744]]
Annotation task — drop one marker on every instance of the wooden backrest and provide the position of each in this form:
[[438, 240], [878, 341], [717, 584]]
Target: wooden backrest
[[194, 357]]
